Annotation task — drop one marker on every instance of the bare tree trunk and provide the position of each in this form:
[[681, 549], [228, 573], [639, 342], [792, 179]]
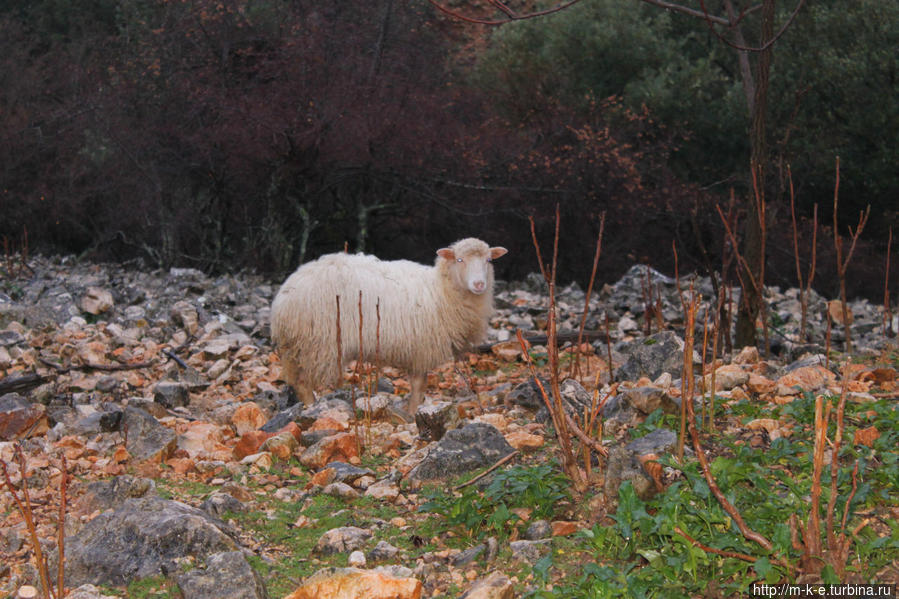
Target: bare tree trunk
[[752, 245]]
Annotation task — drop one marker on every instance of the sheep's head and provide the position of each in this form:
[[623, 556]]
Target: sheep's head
[[468, 264]]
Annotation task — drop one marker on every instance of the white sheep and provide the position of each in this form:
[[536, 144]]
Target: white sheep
[[428, 315]]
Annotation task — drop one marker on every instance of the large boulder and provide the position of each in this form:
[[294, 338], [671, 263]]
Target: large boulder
[[140, 538], [653, 355], [462, 450]]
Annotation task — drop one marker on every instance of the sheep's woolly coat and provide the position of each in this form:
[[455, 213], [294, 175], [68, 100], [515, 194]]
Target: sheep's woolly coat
[[427, 314]]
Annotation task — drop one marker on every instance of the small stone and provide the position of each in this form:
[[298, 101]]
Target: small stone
[[341, 540], [281, 446], [96, 301], [538, 529], [524, 440], [218, 368], [469, 555], [171, 394], [727, 377], [247, 417], [19, 419], [26, 591], [760, 384], [183, 313], [495, 586], [261, 460], [435, 418], [340, 490], [835, 309], [219, 503], [383, 551], [323, 477], [384, 489], [340, 447], [493, 419], [356, 559], [562, 528], [747, 355], [529, 551]]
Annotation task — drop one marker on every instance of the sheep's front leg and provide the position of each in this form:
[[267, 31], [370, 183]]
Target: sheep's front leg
[[419, 383], [292, 374]]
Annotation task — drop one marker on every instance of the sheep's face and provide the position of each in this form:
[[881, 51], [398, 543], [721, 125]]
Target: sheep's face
[[470, 265]]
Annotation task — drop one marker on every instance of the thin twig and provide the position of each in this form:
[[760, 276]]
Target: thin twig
[[487, 471], [61, 530], [90, 366], [175, 357], [577, 361]]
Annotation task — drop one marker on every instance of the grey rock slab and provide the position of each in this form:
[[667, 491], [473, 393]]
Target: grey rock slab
[[461, 450], [225, 575], [140, 538], [219, 503], [171, 394], [527, 394], [538, 529], [651, 356], [103, 495], [347, 473], [659, 441], [147, 438], [469, 555]]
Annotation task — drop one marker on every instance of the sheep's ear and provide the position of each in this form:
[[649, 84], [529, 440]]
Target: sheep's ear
[[446, 253], [498, 252]]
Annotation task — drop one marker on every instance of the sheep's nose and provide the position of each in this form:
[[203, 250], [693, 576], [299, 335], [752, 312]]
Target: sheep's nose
[[479, 286]]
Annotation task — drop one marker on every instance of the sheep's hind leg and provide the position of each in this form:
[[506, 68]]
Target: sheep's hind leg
[[419, 383]]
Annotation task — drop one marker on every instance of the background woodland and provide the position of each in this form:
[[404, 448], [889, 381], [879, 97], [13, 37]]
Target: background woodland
[[259, 134]]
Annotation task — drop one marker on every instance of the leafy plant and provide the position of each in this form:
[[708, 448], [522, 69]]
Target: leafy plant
[[476, 513]]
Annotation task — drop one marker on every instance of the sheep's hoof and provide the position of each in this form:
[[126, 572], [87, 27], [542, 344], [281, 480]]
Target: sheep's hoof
[[400, 415]]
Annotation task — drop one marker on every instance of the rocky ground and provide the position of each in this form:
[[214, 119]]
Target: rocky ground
[[190, 467]]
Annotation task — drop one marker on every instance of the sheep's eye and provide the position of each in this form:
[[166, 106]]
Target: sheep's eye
[[458, 259], [489, 259]]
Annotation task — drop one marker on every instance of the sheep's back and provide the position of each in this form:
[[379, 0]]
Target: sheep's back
[[407, 299]]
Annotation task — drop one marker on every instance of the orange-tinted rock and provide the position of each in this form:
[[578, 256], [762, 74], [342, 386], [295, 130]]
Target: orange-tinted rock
[[760, 384], [563, 528], [180, 465], [835, 309], [19, 419], [203, 440], [280, 445], [523, 440], [495, 586], [249, 443], [328, 424], [807, 378], [335, 448], [354, 583], [323, 477], [866, 436], [247, 417]]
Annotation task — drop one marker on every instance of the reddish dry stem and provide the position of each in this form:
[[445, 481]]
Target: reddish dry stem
[[687, 400], [580, 335], [61, 531]]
